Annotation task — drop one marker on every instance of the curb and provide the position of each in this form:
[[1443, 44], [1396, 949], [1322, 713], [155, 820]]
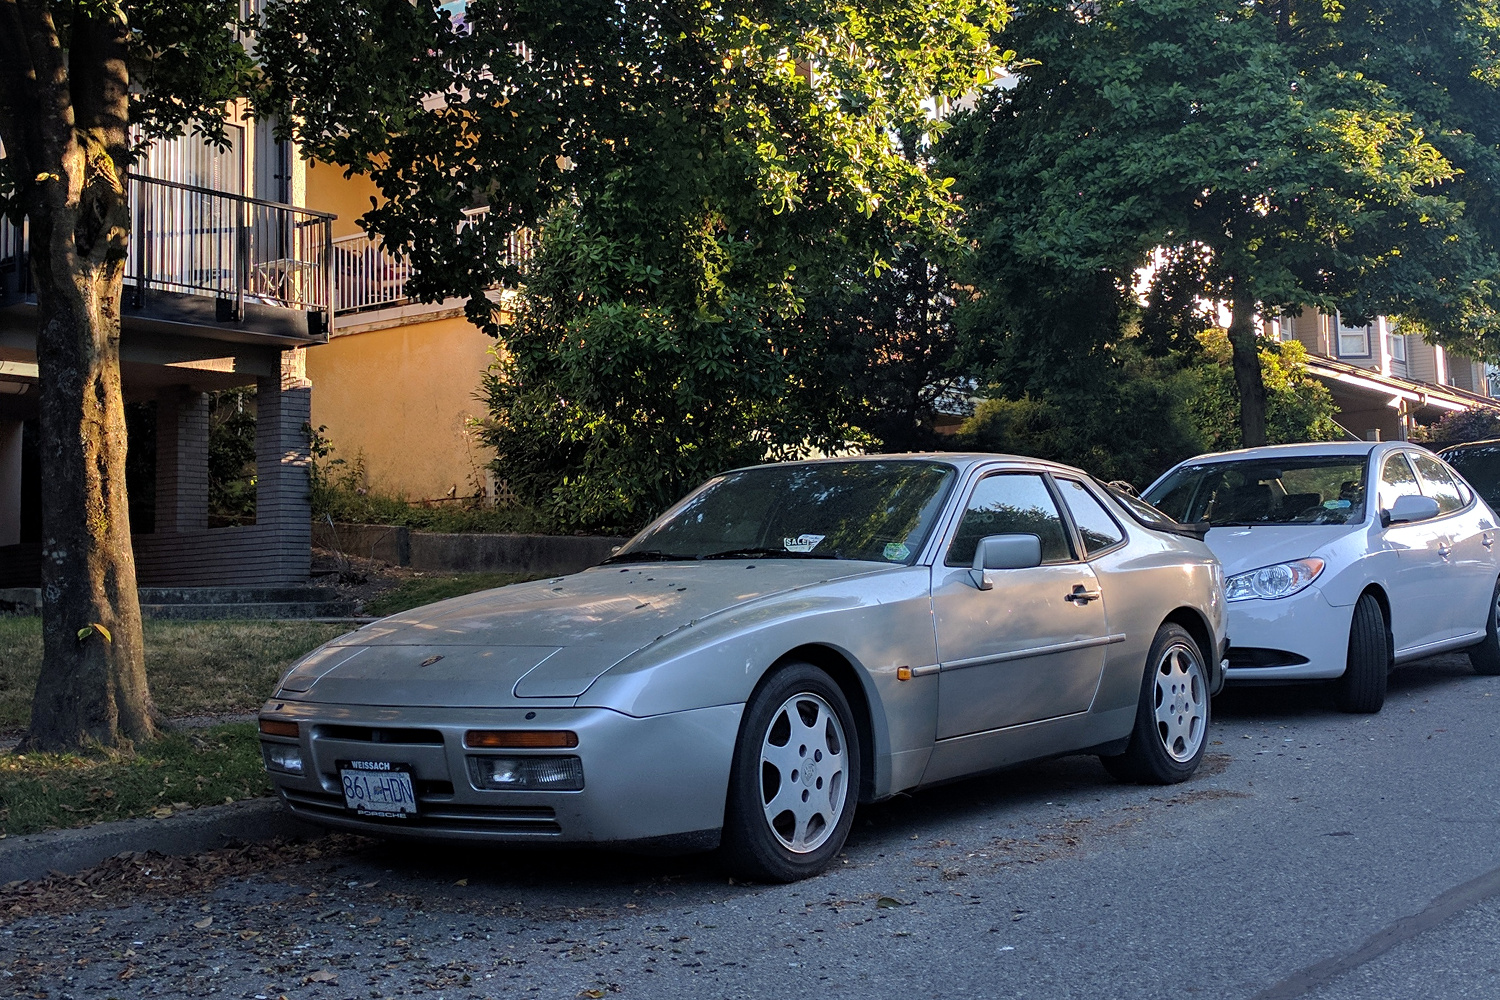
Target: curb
[[36, 855]]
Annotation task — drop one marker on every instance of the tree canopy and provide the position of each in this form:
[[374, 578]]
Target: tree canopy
[[1273, 155], [700, 175]]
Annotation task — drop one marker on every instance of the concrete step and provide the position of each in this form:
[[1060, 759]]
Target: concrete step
[[214, 603], [261, 610], [237, 595]]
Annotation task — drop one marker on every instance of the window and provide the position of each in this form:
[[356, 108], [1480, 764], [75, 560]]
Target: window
[[880, 511], [1397, 479], [1354, 341], [1438, 483], [1011, 503], [1397, 346], [1098, 529], [1311, 489]]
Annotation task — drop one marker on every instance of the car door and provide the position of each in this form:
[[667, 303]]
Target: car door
[[1469, 560], [1420, 578], [1031, 647]]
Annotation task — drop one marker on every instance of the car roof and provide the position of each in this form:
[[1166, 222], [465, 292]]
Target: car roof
[[1307, 448], [962, 460]]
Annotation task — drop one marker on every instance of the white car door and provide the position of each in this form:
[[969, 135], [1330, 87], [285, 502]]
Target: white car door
[[1420, 582], [1469, 564]]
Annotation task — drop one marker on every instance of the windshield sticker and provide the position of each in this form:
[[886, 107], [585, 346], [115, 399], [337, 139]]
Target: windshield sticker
[[1337, 504], [802, 543], [896, 552]]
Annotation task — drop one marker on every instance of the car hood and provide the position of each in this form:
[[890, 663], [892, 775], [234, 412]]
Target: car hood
[[545, 639], [1241, 549]]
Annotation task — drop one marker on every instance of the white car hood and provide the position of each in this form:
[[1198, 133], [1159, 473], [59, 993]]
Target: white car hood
[[1242, 549]]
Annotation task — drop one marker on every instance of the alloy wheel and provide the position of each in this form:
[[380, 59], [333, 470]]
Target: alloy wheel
[[1181, 701], [803, 772]]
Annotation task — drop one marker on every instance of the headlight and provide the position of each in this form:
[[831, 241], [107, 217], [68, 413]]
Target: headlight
[[1272, 582]]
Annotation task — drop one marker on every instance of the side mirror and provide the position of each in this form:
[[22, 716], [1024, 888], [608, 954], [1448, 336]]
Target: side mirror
[[1408, 508], [1004, 552]]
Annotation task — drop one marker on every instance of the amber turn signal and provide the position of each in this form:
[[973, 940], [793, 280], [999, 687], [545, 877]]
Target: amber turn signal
[[520, 739], [275, 727], [903, 673]]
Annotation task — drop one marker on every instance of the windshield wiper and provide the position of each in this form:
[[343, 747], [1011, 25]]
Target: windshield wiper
[[647, 555], [768, 553]]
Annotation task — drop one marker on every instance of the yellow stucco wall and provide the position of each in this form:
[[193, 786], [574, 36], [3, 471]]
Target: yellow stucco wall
[[328, 190], [401, 398]]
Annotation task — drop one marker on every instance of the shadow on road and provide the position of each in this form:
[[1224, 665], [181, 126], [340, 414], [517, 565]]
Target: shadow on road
[[1294, 701]]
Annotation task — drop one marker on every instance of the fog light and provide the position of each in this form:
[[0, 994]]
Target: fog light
[[281, 757], [551, 774]]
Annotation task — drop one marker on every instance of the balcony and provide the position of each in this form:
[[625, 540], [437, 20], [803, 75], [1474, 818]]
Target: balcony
[[209, 263], [369, 277]]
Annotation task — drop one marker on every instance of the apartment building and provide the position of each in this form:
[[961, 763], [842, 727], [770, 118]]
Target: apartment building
[[398, 383], [1384, 381], [229, 281]]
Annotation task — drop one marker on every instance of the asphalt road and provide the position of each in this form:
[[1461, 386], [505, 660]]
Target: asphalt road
[[1315, 855]]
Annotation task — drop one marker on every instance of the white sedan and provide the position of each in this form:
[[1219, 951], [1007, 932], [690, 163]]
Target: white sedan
[[1343, 560]]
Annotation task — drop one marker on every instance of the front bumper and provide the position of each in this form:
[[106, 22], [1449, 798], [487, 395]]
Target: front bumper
[[1297, 638], [657, 779]]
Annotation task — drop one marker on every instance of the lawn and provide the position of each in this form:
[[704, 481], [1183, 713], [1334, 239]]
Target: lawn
[[183, 769], [194, 668], [421, 590]]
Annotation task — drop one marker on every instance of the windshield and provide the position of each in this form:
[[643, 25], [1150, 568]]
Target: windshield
[[1311, 489], [879, 511]]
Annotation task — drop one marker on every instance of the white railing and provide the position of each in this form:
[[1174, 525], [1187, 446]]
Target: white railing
[[369, 276]]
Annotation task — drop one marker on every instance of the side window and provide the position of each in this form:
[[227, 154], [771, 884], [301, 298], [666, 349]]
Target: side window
[[1005, 504], [1099, 530], [1396, 479], [1438, 484]]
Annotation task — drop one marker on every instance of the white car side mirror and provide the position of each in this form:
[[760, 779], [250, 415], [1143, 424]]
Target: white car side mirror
[[1004, 552], [1410, 507]]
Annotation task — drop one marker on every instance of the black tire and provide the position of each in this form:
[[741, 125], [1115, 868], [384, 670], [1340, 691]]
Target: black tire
[[757, 845], [1362, 686], [1166, 746], [1485, 657]]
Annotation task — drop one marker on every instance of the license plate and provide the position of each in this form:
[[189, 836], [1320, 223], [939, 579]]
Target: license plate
[[378, 788]]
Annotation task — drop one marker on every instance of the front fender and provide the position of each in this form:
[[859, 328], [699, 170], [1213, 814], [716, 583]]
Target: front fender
[[877, 624]]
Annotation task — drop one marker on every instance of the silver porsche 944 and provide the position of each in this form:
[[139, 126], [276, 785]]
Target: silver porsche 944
[[786, 642]]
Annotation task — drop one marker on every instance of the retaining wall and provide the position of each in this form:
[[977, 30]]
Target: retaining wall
[[436, 552]]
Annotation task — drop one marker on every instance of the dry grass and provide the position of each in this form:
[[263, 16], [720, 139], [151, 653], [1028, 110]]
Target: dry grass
[[194, 668]]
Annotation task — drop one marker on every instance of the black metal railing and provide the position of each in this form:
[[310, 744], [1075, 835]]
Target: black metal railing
[[198, 241]]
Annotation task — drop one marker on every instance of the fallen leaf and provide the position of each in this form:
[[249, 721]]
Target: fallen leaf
[[462, 881], [162, 813], [595, 994], [247, 935], [371, 922], [888, 903], [321, 976], [203, 924], [181, 805]]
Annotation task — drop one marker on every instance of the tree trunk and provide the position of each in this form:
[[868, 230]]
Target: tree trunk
[[92, 689], [1244, 339]]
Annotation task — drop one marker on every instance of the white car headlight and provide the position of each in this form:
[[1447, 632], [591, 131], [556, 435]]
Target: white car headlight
[[1273, 582]]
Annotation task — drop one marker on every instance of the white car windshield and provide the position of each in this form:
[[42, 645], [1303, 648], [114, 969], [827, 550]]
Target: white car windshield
[[878, 511], [1306, 489]]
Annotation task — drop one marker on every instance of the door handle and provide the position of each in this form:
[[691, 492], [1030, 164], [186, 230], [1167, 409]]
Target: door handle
[[1082, 595], [1444, 550], [1487, 540]]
